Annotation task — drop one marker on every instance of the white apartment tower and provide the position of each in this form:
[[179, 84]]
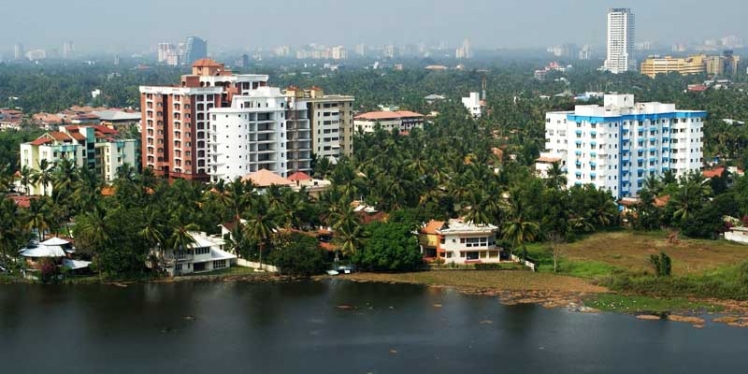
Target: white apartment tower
[[621, 37], [254, 134], [617, 146]]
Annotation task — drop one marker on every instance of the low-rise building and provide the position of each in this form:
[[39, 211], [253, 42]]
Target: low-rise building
[[205, 254], [459, 242], [96, 147], [654, 65], [401, 120]]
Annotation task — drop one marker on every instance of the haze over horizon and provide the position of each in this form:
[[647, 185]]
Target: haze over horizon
[[106, 25]]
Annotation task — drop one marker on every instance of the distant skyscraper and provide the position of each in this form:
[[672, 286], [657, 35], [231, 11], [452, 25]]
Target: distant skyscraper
[[164, 50], [18, 52], [116, 60], [360, 49], [621, 37], [195, 49], [67, 49]]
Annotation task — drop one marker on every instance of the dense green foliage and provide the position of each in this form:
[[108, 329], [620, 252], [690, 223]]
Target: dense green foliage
[[662, 264], [727, 283], [391, 247], [298, 254]]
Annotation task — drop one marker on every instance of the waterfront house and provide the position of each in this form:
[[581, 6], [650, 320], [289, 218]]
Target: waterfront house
[[459, 242], [205, 254]]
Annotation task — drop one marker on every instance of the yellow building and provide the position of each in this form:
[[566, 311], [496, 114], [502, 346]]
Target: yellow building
[[722, 65], [695, 64]]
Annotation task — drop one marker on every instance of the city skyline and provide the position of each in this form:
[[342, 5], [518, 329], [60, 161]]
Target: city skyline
[[487, 24]]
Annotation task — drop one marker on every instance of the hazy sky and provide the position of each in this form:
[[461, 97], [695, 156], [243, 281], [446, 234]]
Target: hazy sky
[[240, 24]]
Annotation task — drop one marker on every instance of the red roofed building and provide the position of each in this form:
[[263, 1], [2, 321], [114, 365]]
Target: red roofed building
[[95, 147], [401, 120]]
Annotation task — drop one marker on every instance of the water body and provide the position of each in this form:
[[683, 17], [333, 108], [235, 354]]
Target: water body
[[300, 328]]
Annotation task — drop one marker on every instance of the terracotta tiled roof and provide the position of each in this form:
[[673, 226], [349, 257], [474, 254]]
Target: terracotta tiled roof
[[59, 136], [299, 176], [661, 201], [78, 136], [383, 115], [548, 159], [432, 226], [714, 173], [42, 140], [266, 178], [108, 191], [23, 201], [206, 63]]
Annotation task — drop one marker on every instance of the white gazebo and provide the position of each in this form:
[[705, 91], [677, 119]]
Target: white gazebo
[[54, 248]]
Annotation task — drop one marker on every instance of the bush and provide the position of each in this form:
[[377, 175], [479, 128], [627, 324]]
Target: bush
[[298, 255], [391, 247]]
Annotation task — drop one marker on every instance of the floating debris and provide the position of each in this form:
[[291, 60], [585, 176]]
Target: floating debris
[[649, 317]]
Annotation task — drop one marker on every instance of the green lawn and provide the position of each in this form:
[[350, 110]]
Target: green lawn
[[644, 304]]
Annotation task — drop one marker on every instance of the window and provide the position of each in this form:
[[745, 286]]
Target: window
[[220, 264]]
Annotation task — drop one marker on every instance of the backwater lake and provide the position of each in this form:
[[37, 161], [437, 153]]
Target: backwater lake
[[335, 326]]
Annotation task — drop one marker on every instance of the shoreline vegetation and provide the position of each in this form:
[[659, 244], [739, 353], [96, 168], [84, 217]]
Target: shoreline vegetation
[[588, 281]]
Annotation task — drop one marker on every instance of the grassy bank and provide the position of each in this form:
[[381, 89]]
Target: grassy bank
[[492, 280], [620, 262], [645, 304]]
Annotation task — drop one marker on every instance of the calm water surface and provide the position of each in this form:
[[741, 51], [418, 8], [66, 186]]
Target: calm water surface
[[299, 328]]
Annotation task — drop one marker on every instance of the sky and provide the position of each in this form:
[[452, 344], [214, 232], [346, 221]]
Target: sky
[[109, 25]]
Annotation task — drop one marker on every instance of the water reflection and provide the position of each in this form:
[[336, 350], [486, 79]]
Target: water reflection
[[303, 327]]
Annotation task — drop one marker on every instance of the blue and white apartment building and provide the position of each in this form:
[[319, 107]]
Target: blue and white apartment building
[[616, 146]]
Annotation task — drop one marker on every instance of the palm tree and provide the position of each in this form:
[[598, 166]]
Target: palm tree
[[261, 224], [349, 238], [43, 175], [180, 240], [518, 229], [556, 176], [691, 195], [27, 177], [153, 229], [12, 233], [92, 232], [38, 216]]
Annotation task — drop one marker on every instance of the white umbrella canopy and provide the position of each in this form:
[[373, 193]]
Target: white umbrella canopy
[[55, 241], [42, 250]]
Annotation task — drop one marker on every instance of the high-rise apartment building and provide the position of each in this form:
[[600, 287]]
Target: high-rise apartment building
[[621, 37], [220, 125], [164, 51], [67, 49], [331, 119], [617, 146], [195, 49], [19, 53]]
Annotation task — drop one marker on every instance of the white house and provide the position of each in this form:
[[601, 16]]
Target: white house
[[204, 255], [460, 242]]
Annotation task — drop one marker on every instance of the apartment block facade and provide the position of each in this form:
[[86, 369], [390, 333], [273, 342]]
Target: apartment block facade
[[95, 147], [331, 118], [617, 146], [221, 125]]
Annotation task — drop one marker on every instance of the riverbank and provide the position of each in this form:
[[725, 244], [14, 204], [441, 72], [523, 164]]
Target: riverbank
[[558, 291]]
